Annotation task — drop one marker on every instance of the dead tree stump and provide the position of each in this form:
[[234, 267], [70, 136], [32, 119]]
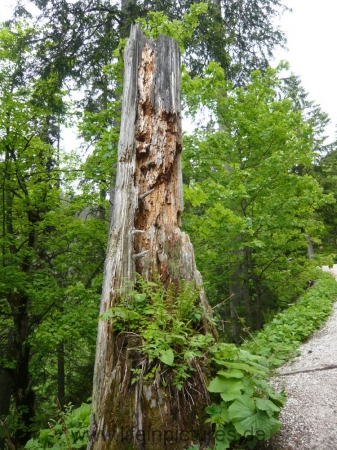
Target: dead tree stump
[[145, 237]]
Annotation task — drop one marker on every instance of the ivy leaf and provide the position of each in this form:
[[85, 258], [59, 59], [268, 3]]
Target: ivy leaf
[[167, 357]]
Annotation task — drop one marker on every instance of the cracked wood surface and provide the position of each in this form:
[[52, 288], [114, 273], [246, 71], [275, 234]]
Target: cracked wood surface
[[145, 236]]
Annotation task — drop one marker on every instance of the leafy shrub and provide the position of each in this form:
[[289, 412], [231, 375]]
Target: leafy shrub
[[280, 338], [246, 408], [69, 431], [167, 321]]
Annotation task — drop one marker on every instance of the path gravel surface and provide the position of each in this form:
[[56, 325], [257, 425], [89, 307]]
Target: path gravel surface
[[309, 418]]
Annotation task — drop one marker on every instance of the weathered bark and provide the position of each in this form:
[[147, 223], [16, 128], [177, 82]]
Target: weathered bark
[[145, 237]]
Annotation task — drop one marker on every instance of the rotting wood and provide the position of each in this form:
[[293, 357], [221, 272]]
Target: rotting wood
[[145, 237]]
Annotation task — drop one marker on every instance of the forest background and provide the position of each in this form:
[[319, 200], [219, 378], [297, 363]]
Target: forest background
[[259, 179]]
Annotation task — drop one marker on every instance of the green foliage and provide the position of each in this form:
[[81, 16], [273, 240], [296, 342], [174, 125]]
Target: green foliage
[[51, 259], [157, 23], [249, 211], [280, 338], [324, 171], [69, 431], [247, 408], [247, 206], [166, 321]]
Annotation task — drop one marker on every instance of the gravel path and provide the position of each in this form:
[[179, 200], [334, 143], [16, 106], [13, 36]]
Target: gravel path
[[309, 418]]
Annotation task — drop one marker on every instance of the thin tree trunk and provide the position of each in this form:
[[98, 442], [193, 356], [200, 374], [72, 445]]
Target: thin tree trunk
[[236, 294], [22, 391], [23, 394], [311, 251], [6, 384], [258, 293], [245, 288], [61, 385], [145, 237]]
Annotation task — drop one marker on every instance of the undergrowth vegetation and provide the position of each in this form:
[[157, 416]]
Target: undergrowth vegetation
[[68, 431], [244, 408], [280, 338]]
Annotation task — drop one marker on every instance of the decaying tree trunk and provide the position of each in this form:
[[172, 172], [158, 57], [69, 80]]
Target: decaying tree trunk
[[145, 237]]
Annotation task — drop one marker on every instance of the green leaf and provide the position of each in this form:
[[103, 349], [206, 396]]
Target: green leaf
[[229, 388], [248, 421], [266, 405], [139, 297], [280, 398], [107, 315], [247, 368], [231, 373], [249, 385], [167, 357], [241, 408], [218, 413], [221, 442]]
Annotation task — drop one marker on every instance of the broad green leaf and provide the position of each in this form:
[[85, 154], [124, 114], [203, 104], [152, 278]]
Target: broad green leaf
[[222, 442], [280, 398], [167, 357], [247, 368], [107, 315], [122, 313], [249, 385], [266, 405], [248, 421], [231, 373], [245, 354], [139, 297], [262, 385], [241, 408], [229, 388]]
